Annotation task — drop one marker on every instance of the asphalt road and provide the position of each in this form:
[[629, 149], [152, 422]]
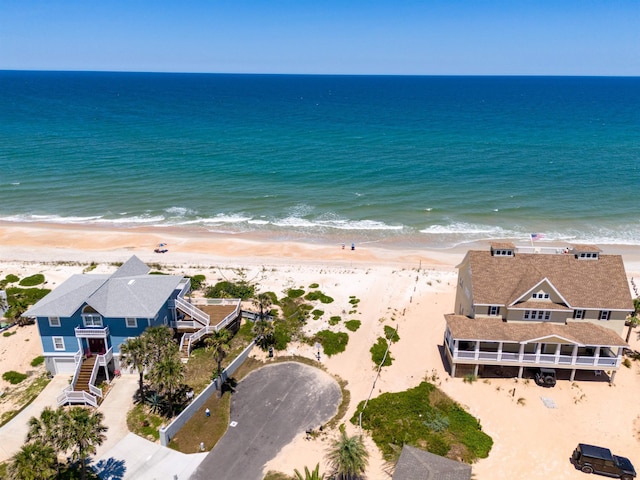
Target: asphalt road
[[271, 407]]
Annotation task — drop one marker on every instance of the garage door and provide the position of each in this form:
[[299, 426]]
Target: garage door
[[65, 365]]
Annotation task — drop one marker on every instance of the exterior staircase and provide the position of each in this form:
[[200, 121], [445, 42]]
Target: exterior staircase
[[82, 383]]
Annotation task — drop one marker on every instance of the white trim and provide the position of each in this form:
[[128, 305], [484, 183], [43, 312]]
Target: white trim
[[130, 324], [54, 321], [528, 293], [93, 317], [55, 347]]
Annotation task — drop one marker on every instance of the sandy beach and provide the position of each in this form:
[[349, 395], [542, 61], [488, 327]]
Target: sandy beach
[[408, 288]]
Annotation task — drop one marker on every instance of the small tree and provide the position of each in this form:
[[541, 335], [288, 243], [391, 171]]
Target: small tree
[[633, 320], [348, 457], [168, 376], [49, 430], [310, 475], [34, 461], [133, 354], [263, 302], [85, 431], [264, 332], [219, 343]]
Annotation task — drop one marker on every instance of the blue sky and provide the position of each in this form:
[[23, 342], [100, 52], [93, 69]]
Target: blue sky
[[473, 37]]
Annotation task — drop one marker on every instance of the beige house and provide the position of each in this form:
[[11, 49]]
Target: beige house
[[526, 307]]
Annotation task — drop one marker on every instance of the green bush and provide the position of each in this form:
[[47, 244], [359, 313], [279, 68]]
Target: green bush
[[353, 300], [377, 353], [423, 417], [197, 281], [32, 281], [227, 289], [334, 320], [19, 299], [8, 334], [313, 296], [13, 377], [317, 314], [281, 336], [314, 285], [332, 342], [295, 293], [353, 325], [37, 361], [11, 278], [391, 334]]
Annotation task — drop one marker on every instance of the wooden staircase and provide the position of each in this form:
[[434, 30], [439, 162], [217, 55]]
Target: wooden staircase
[[82, 383]]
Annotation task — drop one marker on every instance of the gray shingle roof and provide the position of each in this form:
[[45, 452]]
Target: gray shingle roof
[[416, 464], [128, 292]]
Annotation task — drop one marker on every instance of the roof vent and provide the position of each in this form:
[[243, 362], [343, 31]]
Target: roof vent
[[131, 282]]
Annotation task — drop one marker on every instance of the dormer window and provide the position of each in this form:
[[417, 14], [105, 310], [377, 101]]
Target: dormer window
[[502, 249], [588, 255], [503, 253], [493, 310], [540, 296]]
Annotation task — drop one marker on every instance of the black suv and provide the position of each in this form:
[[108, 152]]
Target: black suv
[[546, 377], [592, 459]]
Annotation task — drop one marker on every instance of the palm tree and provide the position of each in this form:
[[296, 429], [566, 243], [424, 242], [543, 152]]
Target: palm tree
[[264, 331], [133, 354], [157, 341], [85, 431], [219, 343], [48, 430], [34, 461], [168, 376], [348, 457], [309, 475], [262, 301]]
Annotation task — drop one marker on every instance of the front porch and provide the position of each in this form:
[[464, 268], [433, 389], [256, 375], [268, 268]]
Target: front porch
[[486, 342]]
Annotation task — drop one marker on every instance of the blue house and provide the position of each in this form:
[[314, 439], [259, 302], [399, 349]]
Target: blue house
[[83, 321]]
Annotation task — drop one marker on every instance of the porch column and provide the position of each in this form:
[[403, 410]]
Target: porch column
[[612, 377], [556, 358], [573, 374], [538, 350], [477, 350], [521, 353], [475, 370], [574, 355], [455, 349], [597, 356], [520, 370], [453, 369], [499, 351]]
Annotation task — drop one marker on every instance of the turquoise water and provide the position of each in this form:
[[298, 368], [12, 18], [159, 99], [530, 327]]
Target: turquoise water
[[426, 160]]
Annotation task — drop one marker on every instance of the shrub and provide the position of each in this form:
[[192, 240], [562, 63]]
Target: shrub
[[313, 296], [314, 285], [627, 363], [37, 361], [227, 289], [353, 325], [391, 334], [8, 334], [334, 320], [197, 281], [11, 278], [317, 314], [332, 342], [281, 336], [13, 377], [470, 378], [377, 353], [295, 293], [353, 300], [32, 281]]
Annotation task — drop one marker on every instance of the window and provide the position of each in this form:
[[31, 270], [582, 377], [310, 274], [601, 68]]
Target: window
[[589, 255], [503, 253], [537, 315], [54, 321], [605, 314], [58, 343], [578, 314], [91, 320], [540, 296], [493, 310], [131, 322]]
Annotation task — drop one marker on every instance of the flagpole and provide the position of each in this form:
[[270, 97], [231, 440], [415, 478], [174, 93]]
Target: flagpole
[[531, 239]]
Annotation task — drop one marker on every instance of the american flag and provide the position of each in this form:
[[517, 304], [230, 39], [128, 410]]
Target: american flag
[[537, 236]]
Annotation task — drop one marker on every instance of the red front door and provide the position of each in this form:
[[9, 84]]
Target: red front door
[[96, 346]]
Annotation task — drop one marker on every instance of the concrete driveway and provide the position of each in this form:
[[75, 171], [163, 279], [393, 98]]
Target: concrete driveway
[[271, 407]]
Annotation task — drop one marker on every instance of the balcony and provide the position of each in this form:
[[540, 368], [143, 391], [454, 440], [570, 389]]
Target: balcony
[[92, 332]]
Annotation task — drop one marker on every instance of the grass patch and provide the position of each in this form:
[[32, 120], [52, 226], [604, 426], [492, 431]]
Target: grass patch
[[353, 325], [353, 300], [14, 377], [334, 320], [295, 293], [32, 281], [37, 361], [142, 422], [11, 278], [225, 289], [391, 334], [313, 296], [317, 314], [332, 342], [314, 285], [271, 475], [25, 397], [378, 350], [426, 418], [8, 334]]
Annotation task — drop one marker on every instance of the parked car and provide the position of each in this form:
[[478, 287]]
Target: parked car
[[592, 459], [546, 377]]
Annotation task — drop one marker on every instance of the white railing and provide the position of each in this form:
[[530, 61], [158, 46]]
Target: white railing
[[604, 361], [192, 338], [105, 358], [78, 359], [216, 301], [95, 390], [542, 250], [228, 319], [76, 397], [92, 380], [92, 332], [192, 311], [187, 324]]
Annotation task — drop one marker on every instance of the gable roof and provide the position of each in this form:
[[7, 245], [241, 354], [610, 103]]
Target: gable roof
[[493, 329], [416, 464], [129, 292], [588, 284]]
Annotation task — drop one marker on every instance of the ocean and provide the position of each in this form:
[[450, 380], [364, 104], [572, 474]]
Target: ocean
[[410, 160]]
